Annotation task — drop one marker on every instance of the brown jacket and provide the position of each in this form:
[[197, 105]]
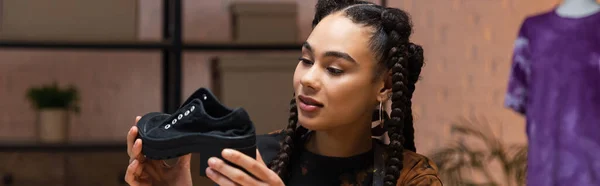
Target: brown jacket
[[418, 170]]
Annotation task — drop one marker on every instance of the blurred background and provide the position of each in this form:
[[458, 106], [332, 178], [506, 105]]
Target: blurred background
[[126, 58]]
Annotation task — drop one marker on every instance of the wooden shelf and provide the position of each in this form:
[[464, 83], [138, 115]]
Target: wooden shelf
[[242, 47], [149, 46], [24, 146], [85, 45]]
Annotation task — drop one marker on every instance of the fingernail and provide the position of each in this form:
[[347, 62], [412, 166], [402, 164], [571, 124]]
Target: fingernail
[[135, 143], [212, 161], [227, 152], [134, 162]]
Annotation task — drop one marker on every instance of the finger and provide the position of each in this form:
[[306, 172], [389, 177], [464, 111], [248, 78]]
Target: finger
[[136, 151], [259, 157], [143, 172], [132, 134], [130, 139], [138, 170], [253, 166], [137, 155], [151, 169], [218, 178], [129, 174], [234, 174]]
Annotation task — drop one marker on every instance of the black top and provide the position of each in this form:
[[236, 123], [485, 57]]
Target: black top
[[312, 169], [307, 168]]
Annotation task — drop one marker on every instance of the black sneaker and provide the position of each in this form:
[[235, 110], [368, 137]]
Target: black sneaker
[[203, 125]]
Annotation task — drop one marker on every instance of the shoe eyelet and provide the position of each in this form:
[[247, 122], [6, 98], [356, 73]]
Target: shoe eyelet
[[187, 112], [180, 116], [174, 121], [192, 108], [167, 126]]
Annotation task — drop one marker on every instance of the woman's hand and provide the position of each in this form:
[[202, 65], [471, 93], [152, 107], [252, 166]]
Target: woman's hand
[[146, 172], [226, 175]]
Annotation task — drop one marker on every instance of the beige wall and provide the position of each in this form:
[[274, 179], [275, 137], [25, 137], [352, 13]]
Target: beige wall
[[74, 20], [208, 20], [468, 46]]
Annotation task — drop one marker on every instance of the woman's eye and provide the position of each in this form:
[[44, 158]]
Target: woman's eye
[[305, 61], [331, 70], [334, 71]]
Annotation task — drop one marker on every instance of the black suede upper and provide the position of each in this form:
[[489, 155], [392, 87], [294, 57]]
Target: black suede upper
[[201, 113]]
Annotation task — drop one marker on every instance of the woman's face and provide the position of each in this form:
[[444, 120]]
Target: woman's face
[[334, 80]]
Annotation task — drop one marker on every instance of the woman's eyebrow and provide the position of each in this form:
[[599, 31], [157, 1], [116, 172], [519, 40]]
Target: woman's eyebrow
[[340, 55], [336, 54]]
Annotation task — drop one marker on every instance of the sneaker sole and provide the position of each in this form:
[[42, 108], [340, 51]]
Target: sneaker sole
[[206, 145]]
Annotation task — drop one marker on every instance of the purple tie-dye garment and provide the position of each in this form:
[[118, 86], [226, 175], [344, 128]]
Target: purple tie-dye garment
[[555, 83]]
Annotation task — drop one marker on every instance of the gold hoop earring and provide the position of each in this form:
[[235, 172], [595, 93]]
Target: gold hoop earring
[[381, 114]]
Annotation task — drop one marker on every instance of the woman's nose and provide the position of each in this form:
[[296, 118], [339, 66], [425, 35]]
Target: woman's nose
[[311, 79]]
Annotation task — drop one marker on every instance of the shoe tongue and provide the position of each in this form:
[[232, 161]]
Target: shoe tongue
[[187, 112], [202, 93]]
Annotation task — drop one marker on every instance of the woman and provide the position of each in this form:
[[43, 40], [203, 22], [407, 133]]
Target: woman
[[357, 57]]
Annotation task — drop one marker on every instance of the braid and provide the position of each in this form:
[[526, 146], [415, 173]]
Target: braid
[[415, 63], [397, 26], [280, 162], [394, 128]]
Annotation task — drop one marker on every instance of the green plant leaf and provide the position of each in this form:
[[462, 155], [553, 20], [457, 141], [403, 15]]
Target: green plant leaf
[[52, 96], [457, 157]]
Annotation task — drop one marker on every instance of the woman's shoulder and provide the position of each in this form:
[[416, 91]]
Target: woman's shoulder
[[418, 170]]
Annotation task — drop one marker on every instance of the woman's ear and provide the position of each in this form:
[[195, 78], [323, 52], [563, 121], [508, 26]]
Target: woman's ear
[[384, 95], [386, 91]]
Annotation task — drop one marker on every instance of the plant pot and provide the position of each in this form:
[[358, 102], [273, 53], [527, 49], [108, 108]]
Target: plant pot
[[53, 125]]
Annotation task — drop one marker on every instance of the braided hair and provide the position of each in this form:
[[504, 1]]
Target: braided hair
[[390, 43], [279, 163], [415, 59]]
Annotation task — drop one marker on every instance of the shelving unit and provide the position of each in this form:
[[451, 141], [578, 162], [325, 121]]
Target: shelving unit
[[67, 147], [172, 46]]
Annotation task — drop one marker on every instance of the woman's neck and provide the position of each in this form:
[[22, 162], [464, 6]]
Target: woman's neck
[[578, 8], [345, 141], [579, 1]]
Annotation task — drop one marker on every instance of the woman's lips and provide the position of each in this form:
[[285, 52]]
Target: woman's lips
[[308, 104]]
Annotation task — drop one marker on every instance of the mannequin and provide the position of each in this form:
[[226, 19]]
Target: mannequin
[[578, 8], [555, 84]]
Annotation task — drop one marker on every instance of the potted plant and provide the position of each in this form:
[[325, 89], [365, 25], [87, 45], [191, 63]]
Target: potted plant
[[53, 105], [461, 160]]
